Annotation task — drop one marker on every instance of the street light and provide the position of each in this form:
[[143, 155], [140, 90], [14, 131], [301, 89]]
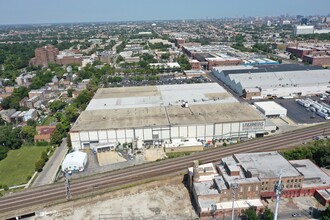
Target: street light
[[234, 187]]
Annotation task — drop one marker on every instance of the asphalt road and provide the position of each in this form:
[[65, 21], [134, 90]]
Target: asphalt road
[[48, 173]]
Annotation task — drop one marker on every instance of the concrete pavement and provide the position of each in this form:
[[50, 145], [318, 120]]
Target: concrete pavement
[[48, 173]]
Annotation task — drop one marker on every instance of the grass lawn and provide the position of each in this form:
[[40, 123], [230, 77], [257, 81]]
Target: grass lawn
[[19, 164], [49, 120]]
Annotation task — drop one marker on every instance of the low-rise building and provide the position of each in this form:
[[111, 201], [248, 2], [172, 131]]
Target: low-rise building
[[30, 114], [271, 109], [44, 133], [252, 177], [5, 114]]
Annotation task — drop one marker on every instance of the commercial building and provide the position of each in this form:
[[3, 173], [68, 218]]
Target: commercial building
[[69, 58], [251, 177], [303, 29], [314, 54], [321, 60], [162, 113], [275, 80], [213, 55], [271, 109]]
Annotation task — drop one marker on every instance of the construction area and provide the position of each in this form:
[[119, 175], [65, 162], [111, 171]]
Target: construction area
[[164, 199]]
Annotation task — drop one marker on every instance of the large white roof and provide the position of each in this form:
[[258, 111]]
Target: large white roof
[[75, 157], [282, 79], [269, 106], [162, 95]]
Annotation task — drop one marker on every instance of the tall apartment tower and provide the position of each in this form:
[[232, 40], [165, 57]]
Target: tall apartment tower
[[44, 55]]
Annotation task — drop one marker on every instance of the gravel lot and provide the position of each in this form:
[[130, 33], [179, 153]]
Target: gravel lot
[[164, 199]]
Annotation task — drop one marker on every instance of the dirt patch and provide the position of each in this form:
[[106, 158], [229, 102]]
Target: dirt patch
[[218, 95], [154, 154], [110, 157], [164, 199]]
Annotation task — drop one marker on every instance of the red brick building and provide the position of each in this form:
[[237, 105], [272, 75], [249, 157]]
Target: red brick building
[[44, 55], [179, 42], [67, 60], [317, 60], [44, 133], [195, 64], [299, 51]]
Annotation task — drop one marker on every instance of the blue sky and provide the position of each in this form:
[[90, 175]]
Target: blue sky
[[54, 11]]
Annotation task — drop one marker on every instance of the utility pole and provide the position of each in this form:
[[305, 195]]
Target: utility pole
[[67, 175], [213, 210], [234, 187], [278, 189]]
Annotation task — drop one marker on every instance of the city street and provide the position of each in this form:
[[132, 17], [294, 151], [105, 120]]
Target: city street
[[48, 174]]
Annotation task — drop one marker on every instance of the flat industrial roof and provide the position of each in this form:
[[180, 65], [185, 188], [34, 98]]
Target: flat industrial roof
[[267, 68], [270, 106], [162, 95], [165, 116], [313, 175], [205, 188], [281, 79], [268, 164]]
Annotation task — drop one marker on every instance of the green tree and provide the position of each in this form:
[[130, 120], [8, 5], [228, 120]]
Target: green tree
[[251, 213], [3, 152], [165, 56], [70, 91], [57, 105], [325, 215], [2, 122], [39, 165], [184, 63], [28, 133], [268, 214], [71, 113], [31, 122], [10, 137]]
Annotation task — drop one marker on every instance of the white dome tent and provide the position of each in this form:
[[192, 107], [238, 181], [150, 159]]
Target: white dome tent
[[75, 161]]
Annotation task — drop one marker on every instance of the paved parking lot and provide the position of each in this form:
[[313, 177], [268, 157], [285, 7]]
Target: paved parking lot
[[298, 113], [303, 207], [165, 79]]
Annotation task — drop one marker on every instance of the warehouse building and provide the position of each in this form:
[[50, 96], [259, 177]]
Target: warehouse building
[[286, 80], [271, 109], [162, 113]]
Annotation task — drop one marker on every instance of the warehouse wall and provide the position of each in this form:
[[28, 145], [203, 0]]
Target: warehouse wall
[[206, 132]]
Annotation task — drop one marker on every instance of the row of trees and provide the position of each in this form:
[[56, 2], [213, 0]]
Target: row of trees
[[317, 151], [70, 114]]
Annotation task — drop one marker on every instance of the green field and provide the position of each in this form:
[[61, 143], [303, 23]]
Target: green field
[[19, 164]]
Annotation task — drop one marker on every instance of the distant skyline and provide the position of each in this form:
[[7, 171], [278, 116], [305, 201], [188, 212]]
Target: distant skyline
[[66, 11]]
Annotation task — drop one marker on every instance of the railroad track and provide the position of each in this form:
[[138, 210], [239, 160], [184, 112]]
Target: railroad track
[[42, 196]]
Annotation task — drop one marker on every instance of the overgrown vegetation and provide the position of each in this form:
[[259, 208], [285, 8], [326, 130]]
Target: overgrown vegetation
[[172, 155], [317, 151]]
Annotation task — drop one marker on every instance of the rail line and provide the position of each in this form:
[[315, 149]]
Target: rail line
[[55, 192]]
